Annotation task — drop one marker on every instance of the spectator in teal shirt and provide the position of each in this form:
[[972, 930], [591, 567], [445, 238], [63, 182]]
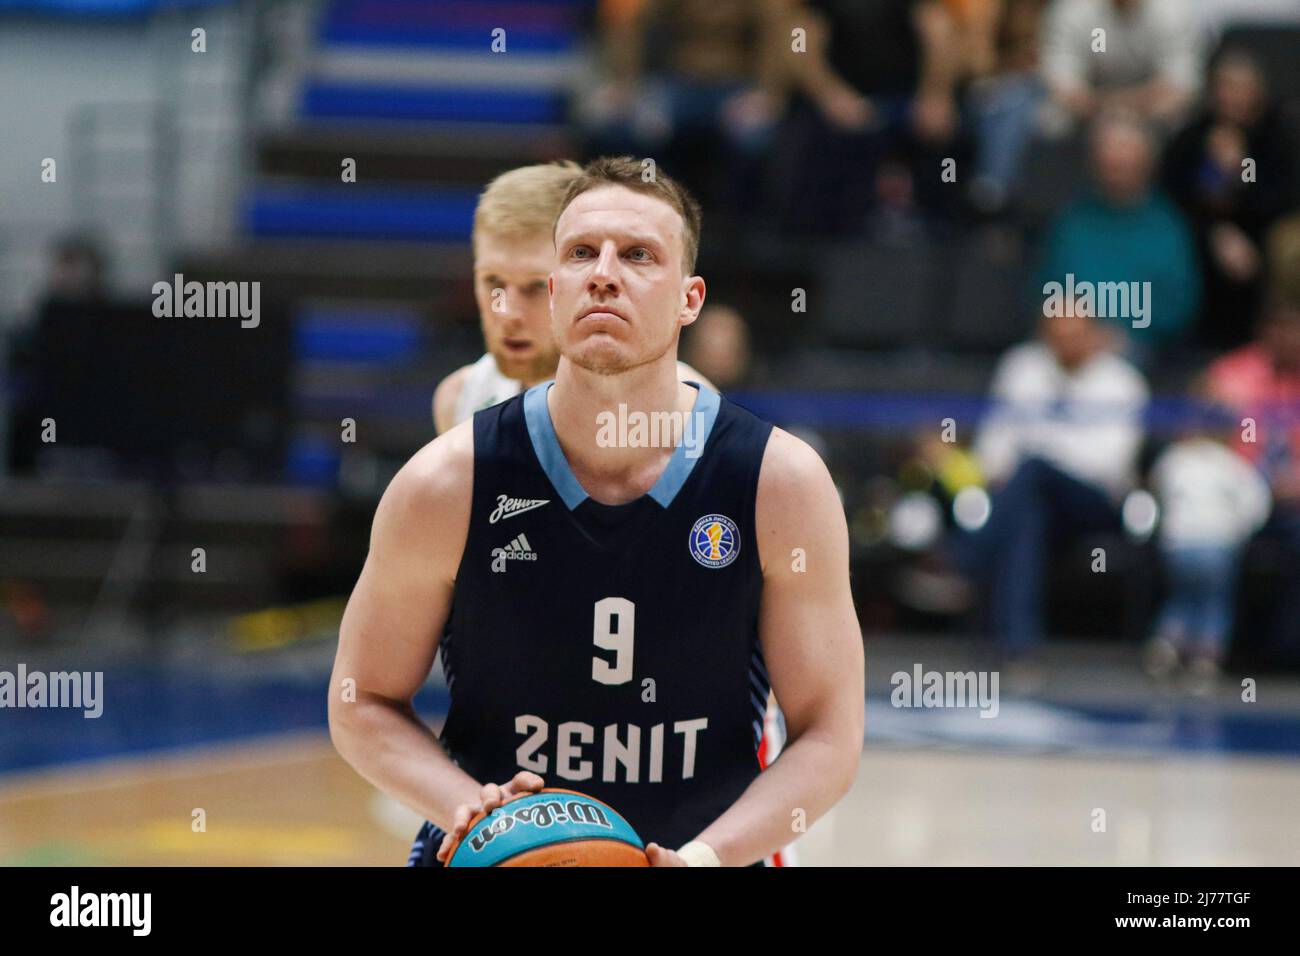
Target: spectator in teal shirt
[[1126, 231]]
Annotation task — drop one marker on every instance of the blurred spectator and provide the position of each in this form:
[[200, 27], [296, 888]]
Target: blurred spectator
[[1282, 256], [1127, 231], [977, 23], [75, 274], [1204, 175], [1150, 62], [1261, 382], [1211, 500], [76, 271], [697, 84], [1004, 97], [717, 344], [877, 112], [1059, 449]]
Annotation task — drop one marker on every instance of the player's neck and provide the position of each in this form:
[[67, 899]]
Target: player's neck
[[591, 413]]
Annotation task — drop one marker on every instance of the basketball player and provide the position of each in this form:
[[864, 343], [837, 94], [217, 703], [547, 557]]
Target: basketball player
[[513, 253], [608, 613]]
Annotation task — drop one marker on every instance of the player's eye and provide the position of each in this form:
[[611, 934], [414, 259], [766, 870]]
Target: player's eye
[[580, 252], [640, 254]]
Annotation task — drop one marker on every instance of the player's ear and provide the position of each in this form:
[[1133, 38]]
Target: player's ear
[[693, 292]]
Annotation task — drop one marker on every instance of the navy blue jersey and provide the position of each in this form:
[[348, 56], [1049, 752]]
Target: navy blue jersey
[[611, 649]]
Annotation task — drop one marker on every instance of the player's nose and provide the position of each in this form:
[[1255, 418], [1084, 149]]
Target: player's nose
[[509, 306], [604, 273]]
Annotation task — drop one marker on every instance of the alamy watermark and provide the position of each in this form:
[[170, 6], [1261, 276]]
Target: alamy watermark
[[209, 300], [636, 429], [78, 690], [922, 688], [1105, 300], [130, 910]]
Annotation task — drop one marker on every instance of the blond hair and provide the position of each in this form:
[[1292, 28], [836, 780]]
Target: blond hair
[[524, 202], [629, 173]]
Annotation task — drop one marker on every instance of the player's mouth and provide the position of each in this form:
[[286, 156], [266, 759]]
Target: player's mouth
[[516, 346], [603, 313]]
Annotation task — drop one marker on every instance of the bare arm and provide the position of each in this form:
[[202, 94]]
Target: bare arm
[[445, 397], [776, 18], [811, 73], [813, 648], [980, 41], [941, 53], [391, 628], [624, 39], [935, 109]]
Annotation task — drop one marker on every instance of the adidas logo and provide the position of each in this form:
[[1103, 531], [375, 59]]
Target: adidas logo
[[517, 550]]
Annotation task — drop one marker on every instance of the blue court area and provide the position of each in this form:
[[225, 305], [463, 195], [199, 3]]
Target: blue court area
[[153, 708], [1031, 726]]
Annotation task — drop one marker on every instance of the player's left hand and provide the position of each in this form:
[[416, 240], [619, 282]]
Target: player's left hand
[[662, 856], [491, 796]]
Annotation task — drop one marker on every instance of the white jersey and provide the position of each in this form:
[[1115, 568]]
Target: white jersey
[[485, 386]]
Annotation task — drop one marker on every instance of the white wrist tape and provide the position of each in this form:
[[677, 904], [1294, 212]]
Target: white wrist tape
[[696, 853]]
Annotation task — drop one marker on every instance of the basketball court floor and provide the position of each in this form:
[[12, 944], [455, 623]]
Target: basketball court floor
[[233, 766]]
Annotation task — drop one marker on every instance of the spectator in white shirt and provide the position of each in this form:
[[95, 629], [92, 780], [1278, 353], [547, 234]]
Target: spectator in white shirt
[[1059, 450]]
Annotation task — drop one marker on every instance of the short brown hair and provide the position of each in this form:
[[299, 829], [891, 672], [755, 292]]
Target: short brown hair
[[631, 174], [524, 202]]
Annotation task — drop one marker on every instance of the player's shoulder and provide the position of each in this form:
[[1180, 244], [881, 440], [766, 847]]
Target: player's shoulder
[[446, 395], [797, 500], [791, 467], [423, 517], [456, 379], [437, 481]]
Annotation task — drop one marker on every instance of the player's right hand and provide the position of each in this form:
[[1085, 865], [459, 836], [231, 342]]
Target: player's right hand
[[490, 797]]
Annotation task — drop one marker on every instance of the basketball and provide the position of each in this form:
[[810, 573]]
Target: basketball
[[550, 828]]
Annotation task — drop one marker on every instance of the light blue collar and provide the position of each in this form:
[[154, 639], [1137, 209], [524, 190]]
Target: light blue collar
[[541, 431]]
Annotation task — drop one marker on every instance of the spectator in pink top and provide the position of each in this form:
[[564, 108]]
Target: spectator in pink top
[[1261, 382]]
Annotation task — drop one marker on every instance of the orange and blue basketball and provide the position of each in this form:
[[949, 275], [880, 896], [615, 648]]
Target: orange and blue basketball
[[550, 828]]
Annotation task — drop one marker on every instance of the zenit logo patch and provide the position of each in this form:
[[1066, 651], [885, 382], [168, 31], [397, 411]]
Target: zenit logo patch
[[715, 541], [508, 507]]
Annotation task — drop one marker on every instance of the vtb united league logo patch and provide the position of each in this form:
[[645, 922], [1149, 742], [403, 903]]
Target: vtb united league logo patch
[[715, 541]]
